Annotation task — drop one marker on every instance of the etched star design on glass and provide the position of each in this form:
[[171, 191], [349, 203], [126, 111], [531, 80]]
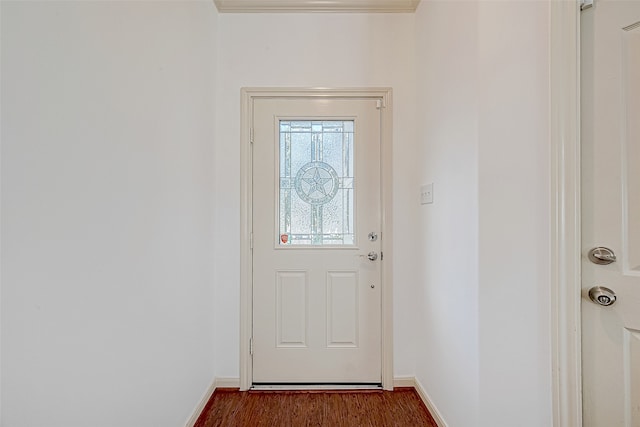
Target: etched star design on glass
[[316, 183]]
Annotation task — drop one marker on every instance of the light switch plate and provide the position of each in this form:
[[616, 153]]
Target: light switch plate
[[426, 194]]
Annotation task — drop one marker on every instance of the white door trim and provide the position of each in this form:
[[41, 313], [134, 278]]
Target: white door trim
[[306, 6], [565, 213], [246, 312]]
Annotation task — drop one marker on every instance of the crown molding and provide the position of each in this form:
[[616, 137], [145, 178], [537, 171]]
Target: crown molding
[[363, 6]]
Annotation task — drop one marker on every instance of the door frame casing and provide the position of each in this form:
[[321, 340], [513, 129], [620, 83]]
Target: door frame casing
[[248, 95], [565, 213]]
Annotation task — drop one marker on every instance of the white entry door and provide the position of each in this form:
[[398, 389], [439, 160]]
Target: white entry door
[[316, 241], [611, 213]]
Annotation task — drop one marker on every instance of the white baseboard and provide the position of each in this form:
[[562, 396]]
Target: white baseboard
[[203, 401], [404, 381], [437, 416], [227, 382]]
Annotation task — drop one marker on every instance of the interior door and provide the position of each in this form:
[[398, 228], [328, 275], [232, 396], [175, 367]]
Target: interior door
[[316, 241], [611, 213]]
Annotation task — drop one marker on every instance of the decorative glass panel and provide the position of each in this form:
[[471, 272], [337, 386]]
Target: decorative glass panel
[[316, 182]]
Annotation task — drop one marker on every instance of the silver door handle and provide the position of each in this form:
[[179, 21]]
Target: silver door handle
[[372, 256]]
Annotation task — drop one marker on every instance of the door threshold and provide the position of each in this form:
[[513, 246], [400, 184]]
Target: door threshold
[[316, 387]]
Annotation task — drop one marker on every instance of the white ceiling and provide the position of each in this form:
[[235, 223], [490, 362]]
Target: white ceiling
[[316, 5]]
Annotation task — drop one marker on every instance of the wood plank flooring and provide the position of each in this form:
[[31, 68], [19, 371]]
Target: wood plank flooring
[[400, 408]]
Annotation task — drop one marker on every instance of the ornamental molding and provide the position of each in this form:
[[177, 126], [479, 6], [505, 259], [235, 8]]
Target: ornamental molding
[[363, 6]]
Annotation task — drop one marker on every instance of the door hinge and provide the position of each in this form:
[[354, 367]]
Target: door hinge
[[251, 346], [586, 4], [251, 136]]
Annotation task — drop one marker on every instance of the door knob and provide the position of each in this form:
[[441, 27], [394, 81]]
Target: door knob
[[602, 256], [372, 256], [602, 296]]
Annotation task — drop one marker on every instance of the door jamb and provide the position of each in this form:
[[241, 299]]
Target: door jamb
[[565, 213], [246, 208]]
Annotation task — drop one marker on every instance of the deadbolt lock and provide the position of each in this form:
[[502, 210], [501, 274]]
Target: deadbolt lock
[[602, 256]]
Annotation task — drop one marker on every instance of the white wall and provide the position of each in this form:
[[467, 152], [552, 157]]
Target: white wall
[[313, 50], [484, 101], [107, 212], [447, 296], [514, 197], [116, 203]]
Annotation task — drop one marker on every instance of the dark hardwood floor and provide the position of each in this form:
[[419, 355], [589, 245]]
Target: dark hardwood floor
[[230, 407]]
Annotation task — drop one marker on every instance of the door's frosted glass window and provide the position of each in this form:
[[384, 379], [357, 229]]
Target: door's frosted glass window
[[316, 183]]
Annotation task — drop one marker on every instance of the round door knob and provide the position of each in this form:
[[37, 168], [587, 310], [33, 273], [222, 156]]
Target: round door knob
[[372, 256], [602, 296]]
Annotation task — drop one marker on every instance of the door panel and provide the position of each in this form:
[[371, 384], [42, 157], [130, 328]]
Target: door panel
[[611, 211], [316, 198], [291, 308], [342, 309]]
